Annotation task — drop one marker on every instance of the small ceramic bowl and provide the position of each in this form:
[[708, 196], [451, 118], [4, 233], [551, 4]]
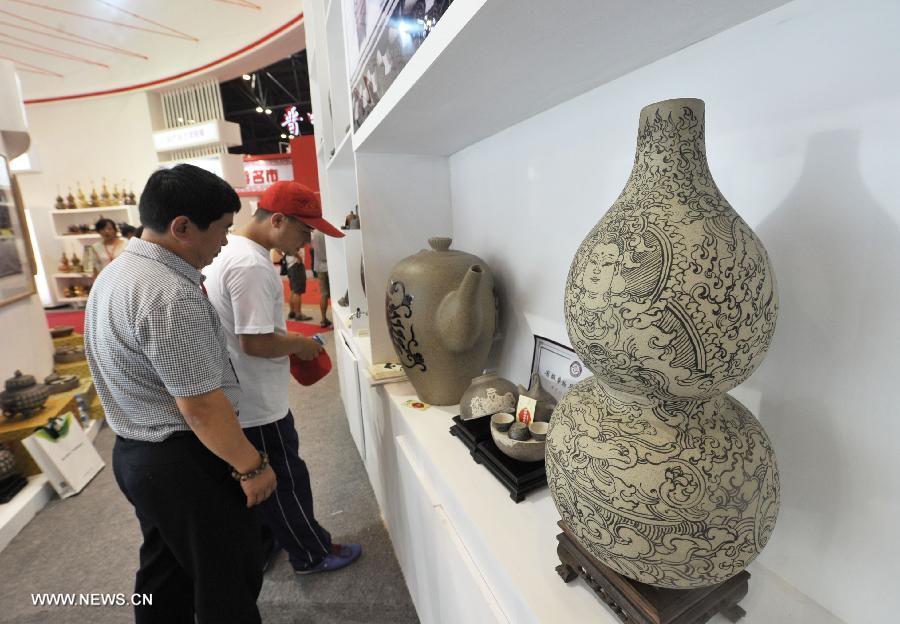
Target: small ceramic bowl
[[523, 451], [502, 421], [539, 430], [519, 431]]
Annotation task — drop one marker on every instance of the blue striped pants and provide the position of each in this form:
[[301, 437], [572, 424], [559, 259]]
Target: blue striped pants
[[289, 511]]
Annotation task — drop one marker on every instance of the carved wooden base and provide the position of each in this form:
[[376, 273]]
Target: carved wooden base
[[638, 603]]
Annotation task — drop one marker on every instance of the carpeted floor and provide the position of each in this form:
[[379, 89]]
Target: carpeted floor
[[89, 543]]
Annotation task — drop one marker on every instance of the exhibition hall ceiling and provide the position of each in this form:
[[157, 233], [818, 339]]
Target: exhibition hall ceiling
[[65, 49]]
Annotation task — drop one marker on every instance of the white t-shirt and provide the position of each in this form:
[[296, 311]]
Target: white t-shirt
[[246, 291]]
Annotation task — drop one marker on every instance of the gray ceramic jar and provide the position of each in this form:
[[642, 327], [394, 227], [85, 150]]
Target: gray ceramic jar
[[488, 394], [441, 314]]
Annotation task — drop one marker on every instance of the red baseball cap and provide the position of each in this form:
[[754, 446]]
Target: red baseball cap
[[292, 199]]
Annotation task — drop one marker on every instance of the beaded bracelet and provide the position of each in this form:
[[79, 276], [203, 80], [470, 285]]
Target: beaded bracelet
[[246, 476]]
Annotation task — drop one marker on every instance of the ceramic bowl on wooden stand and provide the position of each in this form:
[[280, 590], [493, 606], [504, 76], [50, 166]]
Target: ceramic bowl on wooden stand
[[528, 450]]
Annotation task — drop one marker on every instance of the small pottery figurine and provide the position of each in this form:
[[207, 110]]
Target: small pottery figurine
[[7, 462], [61, 383], [61, 331], [131, 199], [78, 290], [60, 203], [77, 267], [104, 194], [488, 394], [68, 292], [116, 197], [545, 401], [23, 396], [82, 200], [68, 353], [64, 266], [441, 314], [70, 200], [95, 199]]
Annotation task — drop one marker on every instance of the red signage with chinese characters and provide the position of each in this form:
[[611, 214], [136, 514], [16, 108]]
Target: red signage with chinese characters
[[260, 172]]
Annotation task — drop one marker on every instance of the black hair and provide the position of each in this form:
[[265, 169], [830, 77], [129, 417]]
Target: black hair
[[139, 231], [126, 229], [102, 222], [185, 190]]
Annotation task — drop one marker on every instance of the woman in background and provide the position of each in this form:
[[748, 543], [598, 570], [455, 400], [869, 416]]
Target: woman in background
[[104, 251]]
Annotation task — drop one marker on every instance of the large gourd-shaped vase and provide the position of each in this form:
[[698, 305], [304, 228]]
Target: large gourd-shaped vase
[[671, 301]]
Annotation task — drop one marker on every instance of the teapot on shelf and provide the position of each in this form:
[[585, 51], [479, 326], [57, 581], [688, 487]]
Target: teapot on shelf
[[441, 315]]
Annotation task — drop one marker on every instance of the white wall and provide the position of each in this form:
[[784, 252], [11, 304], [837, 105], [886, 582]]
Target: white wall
[[26, 342], [27, 345], [80, 141], [802, 108]]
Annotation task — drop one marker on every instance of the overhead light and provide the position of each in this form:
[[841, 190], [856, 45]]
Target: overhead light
[[268, 111], [259, 109], [246, 76]]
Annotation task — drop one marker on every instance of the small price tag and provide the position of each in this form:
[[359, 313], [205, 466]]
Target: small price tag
[[417, 405], [525, 409]]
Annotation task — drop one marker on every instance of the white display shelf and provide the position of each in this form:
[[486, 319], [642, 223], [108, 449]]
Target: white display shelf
[[337, 72], [72, 299], [18, 512], [511, 548], [489, 65], [72, 275], [97, 210], [343, 154], [514, 545], [86, 236]]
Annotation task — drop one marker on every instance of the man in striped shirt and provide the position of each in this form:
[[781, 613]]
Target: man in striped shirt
[[157, 354]]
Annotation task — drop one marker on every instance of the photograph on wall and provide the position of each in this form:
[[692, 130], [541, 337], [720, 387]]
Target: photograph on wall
[[387, 34], [16, 268]]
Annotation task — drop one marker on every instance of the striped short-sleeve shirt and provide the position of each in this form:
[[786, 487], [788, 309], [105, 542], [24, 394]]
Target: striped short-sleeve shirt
[[151, 335]]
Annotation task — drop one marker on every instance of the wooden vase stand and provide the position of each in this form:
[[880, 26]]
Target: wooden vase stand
[[638, 603]]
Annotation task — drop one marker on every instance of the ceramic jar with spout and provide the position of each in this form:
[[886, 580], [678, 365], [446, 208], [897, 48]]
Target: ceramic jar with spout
[[441, 315]]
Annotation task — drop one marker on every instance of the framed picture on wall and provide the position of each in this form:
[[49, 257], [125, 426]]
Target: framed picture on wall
[[17, 266]]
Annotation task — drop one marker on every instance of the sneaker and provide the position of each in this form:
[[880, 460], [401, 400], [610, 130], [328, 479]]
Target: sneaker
[[292, 316], [341, 556], [325, 323], [303, 317]]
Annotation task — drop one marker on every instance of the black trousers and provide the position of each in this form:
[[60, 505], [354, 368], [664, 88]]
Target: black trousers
[[289, 511], [202, 553]]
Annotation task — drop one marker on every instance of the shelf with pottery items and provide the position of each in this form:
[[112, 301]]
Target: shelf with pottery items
[[63, 220], [72, 275], [486, 66], [439, 505], [91, 210], [13, 430]]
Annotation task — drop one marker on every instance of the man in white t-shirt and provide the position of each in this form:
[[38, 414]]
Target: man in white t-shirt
[[248, 295]]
